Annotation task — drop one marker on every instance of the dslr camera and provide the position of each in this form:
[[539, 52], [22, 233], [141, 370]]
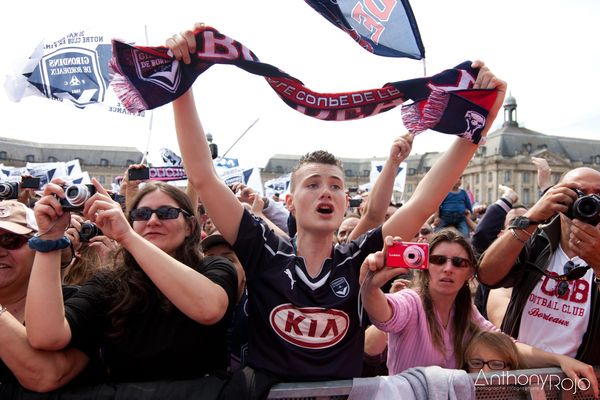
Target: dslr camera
[[10, 190], [89, 230], [76, 196], [408, 255], [586, 208]]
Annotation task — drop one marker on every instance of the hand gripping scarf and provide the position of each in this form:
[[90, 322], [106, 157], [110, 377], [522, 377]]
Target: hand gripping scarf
[[149, 77]]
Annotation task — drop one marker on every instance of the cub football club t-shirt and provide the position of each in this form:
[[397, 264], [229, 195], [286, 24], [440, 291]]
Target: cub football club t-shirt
[[302, 328], [555, 322]]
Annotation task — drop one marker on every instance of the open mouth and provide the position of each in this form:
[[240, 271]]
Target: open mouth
[[325, 210]]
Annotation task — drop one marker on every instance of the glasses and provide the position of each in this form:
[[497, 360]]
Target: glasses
[[424, 231], [12, 241], [496, 365], [457, 262], [563, 286], [163, 212]]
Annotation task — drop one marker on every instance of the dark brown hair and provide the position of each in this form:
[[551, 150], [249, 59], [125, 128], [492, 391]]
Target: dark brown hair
[[315, 157], [463, 303], [131, 289]]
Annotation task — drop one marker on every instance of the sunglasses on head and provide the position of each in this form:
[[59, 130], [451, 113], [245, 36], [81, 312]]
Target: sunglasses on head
[[497, 365], [457, 262], [163, 212], [12, 241], [424, 231]]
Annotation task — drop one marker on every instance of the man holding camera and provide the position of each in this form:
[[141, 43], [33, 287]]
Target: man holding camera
[[551, 256]]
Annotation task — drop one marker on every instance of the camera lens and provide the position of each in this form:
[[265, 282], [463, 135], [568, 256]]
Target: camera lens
[[414, 256], [586, 208], [8, 191], [76, 195], [88, 231]]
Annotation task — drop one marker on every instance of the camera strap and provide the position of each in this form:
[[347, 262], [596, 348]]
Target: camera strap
[[577, 272]]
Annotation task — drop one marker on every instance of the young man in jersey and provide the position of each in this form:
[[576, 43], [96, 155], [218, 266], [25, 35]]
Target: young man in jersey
[[303, 293]]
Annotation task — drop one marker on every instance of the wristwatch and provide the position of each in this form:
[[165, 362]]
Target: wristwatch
[[521, 222]]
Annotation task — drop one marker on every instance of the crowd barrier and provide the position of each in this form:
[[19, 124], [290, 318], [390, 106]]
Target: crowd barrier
[[535, 384]]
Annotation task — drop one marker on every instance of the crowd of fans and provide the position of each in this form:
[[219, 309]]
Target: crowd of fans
[[217, 292]]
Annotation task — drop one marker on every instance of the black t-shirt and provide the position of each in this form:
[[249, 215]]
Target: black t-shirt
[[302, 328], [157, 344]]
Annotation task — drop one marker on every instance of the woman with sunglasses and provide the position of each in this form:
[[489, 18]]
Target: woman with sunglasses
[[160, 314], [432, 323]]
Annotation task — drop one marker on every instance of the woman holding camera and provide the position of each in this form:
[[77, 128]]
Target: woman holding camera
[[432, 323], [160, 314]]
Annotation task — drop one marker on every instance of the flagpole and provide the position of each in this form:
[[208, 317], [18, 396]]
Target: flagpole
[[238, 139], [145, 157]]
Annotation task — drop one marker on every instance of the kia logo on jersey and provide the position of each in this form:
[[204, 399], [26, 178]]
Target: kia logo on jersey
[[309, 327]]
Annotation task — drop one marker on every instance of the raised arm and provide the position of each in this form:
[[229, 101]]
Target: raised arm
[[439, 180], [221, 204], [380, 195], [500, 257], [47, 327], [373, 275]]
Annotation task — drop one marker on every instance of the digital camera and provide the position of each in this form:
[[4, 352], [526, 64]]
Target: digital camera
[[9, 190], [88, 231], [76, 196], [586, 208], [408, 255]]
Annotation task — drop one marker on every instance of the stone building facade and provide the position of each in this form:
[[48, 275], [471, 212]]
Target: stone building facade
[[504, 159], [102, 162]]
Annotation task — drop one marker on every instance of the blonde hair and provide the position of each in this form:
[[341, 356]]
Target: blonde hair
[[499, 342]]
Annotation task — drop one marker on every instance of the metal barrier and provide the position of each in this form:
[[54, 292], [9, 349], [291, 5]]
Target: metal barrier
[[535, 384]]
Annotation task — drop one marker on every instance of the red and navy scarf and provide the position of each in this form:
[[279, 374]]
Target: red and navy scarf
[[149, 77]]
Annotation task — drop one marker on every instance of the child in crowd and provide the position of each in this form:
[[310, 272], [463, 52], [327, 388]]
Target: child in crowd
[[492, 351]]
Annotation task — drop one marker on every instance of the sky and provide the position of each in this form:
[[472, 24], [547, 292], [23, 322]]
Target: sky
[[547, 51]]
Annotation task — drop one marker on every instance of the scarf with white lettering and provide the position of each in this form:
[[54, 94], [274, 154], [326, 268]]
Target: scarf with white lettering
[[149, 77]]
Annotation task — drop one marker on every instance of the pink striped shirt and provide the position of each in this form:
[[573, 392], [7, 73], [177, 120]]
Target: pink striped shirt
[[409, 340]]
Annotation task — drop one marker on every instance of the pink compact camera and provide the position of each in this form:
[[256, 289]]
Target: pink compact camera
[[408, 255]]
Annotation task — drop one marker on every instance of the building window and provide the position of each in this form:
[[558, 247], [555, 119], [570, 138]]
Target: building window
[[30, 158], [489, 196], [507, 176], [476, 194], [102, 179], [103, 162], [278, 169], [526, 197], [412, 171], [427, 169], [409, 188], [366, 172], [477, 179], [526, 177], [597, 160], [52, 159], [80, 160], [490, 176], [129, 162], [3, 155], [349, 173]]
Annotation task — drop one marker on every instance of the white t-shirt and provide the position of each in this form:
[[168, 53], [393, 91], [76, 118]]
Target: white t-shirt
[[557, 323]]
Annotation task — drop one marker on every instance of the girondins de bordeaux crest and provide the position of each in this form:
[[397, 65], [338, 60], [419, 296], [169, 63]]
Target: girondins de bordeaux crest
[[72, 73]]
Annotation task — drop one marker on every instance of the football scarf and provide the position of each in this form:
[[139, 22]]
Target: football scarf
[[149, 77]]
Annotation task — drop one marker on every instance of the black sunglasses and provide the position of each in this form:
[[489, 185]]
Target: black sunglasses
[[457, 262], [493, 364], [162, 212], [12, 241]]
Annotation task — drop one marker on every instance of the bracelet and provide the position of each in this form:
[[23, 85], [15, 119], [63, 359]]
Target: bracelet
[[46, 246], [512, 230]]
